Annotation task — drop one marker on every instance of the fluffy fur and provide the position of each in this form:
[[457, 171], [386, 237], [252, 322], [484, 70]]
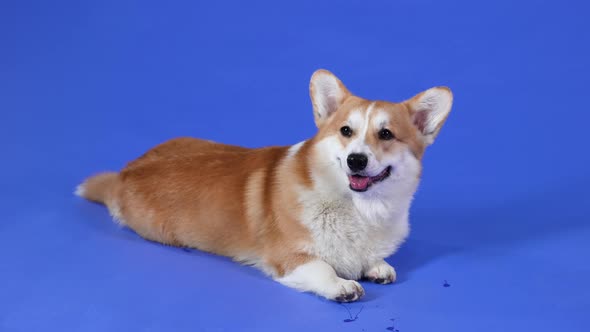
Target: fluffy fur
[[290, 211]]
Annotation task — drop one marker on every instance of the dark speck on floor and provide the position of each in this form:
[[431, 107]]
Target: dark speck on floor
[[352, 319], [446, 284], [392, 327]]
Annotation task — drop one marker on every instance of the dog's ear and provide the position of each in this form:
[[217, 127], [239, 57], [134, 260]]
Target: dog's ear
[[429, 110], [327, 94]]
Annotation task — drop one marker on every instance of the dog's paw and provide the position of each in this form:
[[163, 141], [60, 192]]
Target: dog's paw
[[348, 291], [381, 273]]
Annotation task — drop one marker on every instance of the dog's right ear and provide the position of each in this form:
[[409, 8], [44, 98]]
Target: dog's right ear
[[327, 94]]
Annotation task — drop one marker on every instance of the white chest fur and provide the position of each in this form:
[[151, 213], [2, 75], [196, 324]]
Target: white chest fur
[[353, 231], [351, 235]]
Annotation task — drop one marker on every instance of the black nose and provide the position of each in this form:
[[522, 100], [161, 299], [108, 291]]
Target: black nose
[[357, 161]]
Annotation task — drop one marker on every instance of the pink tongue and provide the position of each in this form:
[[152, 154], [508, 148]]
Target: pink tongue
[[359, 182]]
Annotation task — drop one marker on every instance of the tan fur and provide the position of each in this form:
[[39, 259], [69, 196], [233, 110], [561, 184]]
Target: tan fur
[[218, 198], [99, 187]]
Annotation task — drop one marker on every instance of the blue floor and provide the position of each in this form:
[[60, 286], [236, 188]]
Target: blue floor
[[502, 217]]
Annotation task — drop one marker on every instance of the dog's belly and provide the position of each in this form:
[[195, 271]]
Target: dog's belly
[[349, 243]]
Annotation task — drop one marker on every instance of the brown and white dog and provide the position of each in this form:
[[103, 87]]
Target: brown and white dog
[[316, 216]]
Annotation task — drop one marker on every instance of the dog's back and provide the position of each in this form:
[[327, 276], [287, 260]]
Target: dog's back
[[186, 192]]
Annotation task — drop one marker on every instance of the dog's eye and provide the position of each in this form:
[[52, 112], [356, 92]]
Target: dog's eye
[[385, 134], [346, 131]]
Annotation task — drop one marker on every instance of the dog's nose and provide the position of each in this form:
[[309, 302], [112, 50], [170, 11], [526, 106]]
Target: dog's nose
[[357, 161]]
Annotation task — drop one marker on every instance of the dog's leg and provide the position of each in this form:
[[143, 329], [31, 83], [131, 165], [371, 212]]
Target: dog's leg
[[319, 277], [381, 273]]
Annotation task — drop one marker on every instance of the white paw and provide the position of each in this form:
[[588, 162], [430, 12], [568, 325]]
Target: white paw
[[318, 277], [348, 291], [381, 273]]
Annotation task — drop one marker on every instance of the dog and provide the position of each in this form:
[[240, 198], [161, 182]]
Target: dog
[[316, 216]]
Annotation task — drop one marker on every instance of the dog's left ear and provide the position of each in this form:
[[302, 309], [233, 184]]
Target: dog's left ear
[[429, 110]]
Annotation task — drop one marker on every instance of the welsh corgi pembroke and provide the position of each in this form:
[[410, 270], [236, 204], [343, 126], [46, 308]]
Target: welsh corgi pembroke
[[316, 216]]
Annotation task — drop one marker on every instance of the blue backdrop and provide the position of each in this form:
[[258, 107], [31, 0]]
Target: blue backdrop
[[502, 213]]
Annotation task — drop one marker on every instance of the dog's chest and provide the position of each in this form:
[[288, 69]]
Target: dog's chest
[[347, 239]]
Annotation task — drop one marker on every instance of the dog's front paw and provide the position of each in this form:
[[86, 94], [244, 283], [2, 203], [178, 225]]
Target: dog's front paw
[[319, 277], [381, 273], [348, 291]]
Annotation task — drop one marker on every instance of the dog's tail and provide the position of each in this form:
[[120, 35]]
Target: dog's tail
[[99, 188]]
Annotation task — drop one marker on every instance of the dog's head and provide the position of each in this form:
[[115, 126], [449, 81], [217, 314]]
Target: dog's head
[[368, 144]]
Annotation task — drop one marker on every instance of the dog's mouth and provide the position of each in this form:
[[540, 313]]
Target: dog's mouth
[[362, 183]]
